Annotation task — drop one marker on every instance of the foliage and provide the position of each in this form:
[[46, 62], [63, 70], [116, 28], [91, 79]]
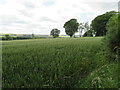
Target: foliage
[[16, 38], [71, 27], [33, 36], [55, 32], [103, 77], [83, 27], [89, 33], [112, 39], [7, 37], [99, 23]]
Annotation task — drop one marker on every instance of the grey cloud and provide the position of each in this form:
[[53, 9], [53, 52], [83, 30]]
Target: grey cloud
[[26, 13], [103, 6], [86, 16], [44, 18], [29, 5], [10, 20]]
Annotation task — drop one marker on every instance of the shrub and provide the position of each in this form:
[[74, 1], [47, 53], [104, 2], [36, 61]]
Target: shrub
[[112, 39]]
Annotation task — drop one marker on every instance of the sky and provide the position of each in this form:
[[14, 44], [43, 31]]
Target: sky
[[41, 16]]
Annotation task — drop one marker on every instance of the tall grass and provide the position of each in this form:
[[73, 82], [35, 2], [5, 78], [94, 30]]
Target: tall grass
[[50, 63]]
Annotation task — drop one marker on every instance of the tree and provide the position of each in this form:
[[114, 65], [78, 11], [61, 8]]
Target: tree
[[55, 32], [99, 23], [8, 37], [83, 27], [33, 36], [89, 33], [71, 27], [87, 27]]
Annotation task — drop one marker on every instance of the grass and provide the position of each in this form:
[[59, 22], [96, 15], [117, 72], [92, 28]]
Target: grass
[[56, 63]]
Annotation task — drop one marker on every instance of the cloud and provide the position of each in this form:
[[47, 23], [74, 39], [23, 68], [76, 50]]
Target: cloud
[[41, 16], [103, 6], [48, 2], [29, 5]]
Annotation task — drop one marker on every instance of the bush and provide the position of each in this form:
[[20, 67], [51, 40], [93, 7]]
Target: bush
[[112, 39]]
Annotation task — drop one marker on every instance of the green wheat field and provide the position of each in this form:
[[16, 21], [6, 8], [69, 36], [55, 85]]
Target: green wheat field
[[57, 63]]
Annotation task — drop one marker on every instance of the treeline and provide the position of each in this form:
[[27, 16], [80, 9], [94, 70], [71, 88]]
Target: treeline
[[32, 36], [96, 28], [72, 26], [14, 38]]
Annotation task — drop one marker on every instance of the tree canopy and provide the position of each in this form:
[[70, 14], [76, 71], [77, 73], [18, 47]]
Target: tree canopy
[[89, 33], [99, 23], [83, 27], [55, 32], [71, 27]]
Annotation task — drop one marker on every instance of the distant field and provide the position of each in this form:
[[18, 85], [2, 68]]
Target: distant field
[[57, 63]]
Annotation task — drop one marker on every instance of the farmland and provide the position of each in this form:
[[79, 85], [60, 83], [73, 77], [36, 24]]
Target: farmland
[[57, 63]]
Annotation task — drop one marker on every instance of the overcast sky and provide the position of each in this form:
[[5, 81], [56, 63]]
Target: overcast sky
[[41, 16]]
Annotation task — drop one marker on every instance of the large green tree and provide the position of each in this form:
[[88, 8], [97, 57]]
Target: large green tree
[[55, 32], [71, 27], [99, 23]]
